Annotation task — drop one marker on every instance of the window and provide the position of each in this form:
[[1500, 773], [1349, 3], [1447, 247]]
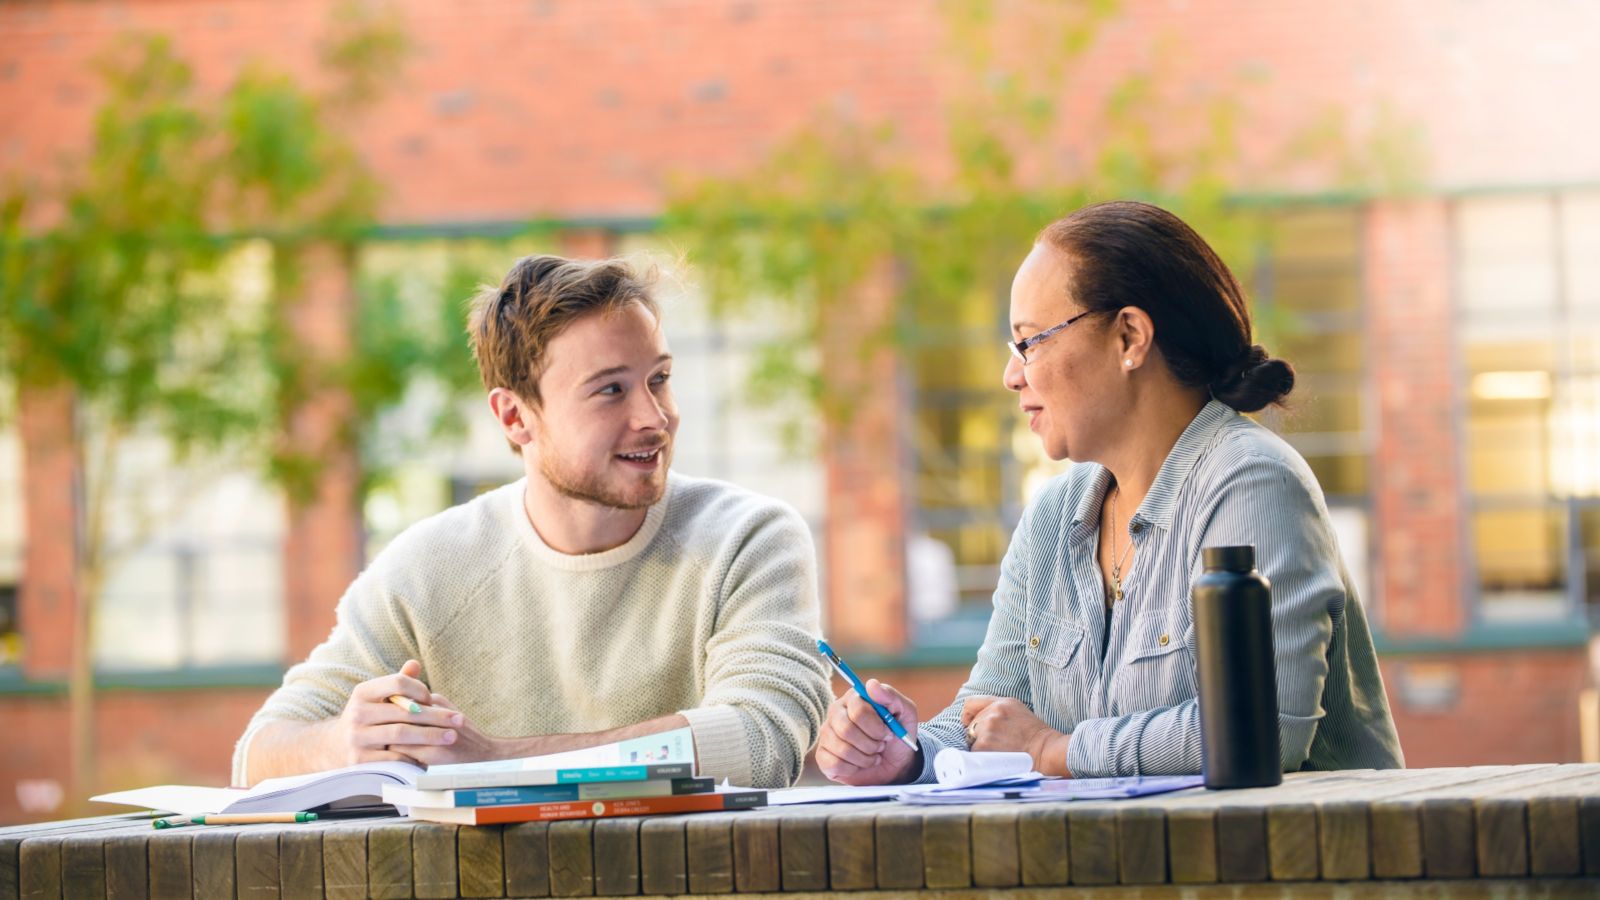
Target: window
[[1309, 311], [419, 469], [205, 585], [968, 483], [1588, 514], [11, 538], [1528, 285], [10, 635], [193, 547]]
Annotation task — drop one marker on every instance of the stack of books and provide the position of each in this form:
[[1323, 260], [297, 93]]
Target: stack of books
[[640, 777]]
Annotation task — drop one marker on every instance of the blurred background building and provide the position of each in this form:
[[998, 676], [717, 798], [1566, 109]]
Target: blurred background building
[[1420, 200]]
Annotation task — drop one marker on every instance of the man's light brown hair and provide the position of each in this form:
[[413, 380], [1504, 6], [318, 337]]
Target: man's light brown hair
[[511, 326]]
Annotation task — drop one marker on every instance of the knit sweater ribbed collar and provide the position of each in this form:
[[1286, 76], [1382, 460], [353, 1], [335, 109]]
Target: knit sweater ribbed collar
[[586, 562]]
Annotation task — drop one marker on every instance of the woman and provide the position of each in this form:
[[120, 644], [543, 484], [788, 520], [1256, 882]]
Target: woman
[[1133, 355]]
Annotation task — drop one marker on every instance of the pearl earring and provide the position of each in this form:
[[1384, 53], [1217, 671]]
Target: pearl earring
[[1128, 363]]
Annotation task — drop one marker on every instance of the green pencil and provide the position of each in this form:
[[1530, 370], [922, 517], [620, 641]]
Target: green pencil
[[252, 818]]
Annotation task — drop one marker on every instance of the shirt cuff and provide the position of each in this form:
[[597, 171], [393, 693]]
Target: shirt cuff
[[1090, 749], [720, 743], [930, 749]]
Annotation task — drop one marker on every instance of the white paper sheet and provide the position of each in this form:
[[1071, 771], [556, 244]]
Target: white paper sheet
[[837, 793], [176, 798], [955, 769], [1056, 789], [958, 769]]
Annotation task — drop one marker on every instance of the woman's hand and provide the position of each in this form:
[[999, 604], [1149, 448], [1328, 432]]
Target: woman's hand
[[1006, 723], [857, 748]]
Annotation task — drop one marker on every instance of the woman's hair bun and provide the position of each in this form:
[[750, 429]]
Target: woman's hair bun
[[1254, 381]]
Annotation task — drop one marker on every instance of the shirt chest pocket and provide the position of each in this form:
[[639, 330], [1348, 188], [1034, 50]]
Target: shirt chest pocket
[[1053, 641], [1157, 667], [1057, 671]]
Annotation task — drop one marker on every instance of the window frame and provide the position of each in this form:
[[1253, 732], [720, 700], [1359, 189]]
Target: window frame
[[1562, 316], [1358, 322]]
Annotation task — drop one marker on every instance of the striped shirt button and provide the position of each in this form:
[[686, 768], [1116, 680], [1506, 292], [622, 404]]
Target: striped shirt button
[[1034, 642]]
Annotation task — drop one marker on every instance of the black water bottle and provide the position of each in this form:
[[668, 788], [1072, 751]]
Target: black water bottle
[[1238, 680]]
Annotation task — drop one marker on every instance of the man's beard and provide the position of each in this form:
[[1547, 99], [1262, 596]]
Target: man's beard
[[595, 487]]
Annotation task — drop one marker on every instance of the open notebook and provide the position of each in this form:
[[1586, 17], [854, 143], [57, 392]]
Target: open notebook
[[969, 777], [966, 776], [360, 785], [669, 754]]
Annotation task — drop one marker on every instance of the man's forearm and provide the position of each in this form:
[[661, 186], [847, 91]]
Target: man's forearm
[[542, 744], [284, 747], [291, 748]]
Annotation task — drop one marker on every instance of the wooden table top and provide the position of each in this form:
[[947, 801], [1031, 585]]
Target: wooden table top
[[1489, 830]]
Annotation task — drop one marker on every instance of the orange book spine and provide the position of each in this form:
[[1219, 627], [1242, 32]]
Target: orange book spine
[[600, 809]]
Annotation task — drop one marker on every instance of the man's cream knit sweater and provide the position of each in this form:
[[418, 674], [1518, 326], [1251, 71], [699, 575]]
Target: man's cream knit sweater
[[710, 610]]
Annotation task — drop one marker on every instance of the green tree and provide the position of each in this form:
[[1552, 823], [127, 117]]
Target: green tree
[[122, 297], [804, 226]]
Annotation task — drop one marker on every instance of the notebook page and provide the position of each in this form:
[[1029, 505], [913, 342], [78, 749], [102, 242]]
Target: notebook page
[[182, 799], [292, 793]]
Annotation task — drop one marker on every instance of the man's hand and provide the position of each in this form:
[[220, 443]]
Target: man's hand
[[371, 728], [857, 748], [1006, 723], [470, 745]]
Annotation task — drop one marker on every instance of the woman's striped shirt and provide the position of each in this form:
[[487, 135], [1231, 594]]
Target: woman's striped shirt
[[1129, 702]]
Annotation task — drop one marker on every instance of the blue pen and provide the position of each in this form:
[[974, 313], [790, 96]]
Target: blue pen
[[861, 690]]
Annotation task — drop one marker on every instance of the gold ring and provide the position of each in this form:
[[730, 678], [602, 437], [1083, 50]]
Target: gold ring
[[972, 733]]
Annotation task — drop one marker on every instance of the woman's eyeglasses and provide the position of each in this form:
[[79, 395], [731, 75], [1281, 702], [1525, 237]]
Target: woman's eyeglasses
[[1020, 349]]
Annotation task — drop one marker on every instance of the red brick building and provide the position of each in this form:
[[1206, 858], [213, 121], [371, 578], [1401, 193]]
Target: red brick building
[[1451, 355]]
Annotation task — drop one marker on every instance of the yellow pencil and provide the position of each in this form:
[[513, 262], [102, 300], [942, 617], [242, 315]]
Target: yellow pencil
[[405, 703], [253, 818]]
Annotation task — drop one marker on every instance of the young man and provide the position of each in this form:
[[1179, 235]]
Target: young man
[[596, 599]]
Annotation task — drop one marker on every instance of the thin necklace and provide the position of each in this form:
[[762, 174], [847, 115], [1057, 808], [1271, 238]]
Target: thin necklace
[[1116, 561]]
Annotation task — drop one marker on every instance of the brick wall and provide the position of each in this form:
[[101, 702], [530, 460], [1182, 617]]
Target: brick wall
[[47, 601], [323, 547], [147, 737], [508, 109], [864, 543], [1509, 706], [1416, 468]]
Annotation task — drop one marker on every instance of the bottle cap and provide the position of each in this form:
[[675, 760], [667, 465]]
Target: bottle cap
[[1229, 559]]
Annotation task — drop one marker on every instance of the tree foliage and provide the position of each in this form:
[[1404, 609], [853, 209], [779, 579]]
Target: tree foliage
[[154, 279], [792, 235]]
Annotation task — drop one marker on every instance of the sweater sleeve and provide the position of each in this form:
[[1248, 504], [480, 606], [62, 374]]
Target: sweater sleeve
[[765, 686], [373, 636]]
